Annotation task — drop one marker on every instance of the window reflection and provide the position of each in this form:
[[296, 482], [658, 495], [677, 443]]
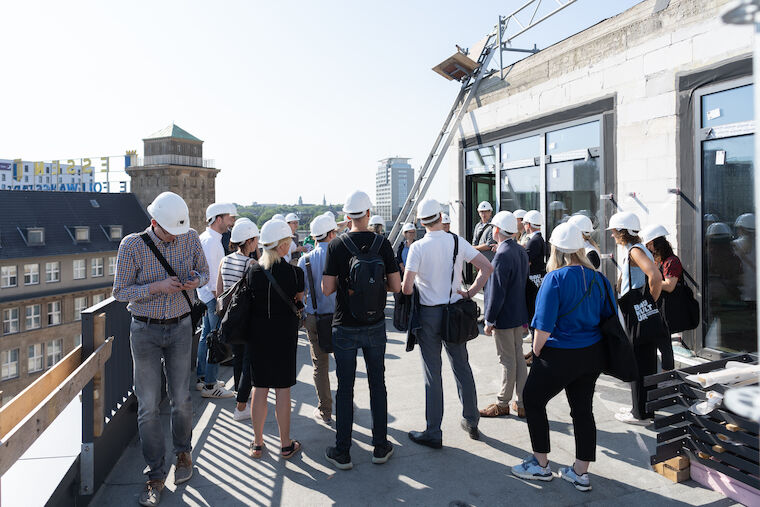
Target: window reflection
[[480, 157], [520, 149], [573, 188], [520, 188], [578, 137], [730, 106]]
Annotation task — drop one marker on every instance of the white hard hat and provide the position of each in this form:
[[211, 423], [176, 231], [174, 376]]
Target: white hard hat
[[322, 225], [519, 213], [376, 220], [557, 205], [506, 221], [278, 216], [407, 227], [567, 238], [533, 217], [329, 213], [357, 204], [583, 223], [625, 220], [485, 206], [217, 208], [292, 217], [171, 213], [232, 209], [718, 230], [272, 232], [429, 211], [243, 230], [746, 221], [445, 218], [651, 232]]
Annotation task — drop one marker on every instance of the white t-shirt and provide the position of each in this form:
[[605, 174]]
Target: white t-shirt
[[430, 257], [211, 242], [292, 249]]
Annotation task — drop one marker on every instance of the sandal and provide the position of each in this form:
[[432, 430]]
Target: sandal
[[289, 451], [257, 451]]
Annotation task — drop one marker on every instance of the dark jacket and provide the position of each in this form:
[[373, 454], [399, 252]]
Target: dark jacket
[[536, 249], [505, 303]]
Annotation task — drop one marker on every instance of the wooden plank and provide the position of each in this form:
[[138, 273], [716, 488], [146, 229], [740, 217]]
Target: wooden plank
[[98, 380], [23, 435], [18, 408]]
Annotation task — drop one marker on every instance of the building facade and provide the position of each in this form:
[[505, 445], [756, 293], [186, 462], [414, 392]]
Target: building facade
[[394, 181], [650, 111], [57, 257]]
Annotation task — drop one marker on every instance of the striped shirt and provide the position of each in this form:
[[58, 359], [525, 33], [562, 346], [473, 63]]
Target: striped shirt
[[232, 269], [137, 268]]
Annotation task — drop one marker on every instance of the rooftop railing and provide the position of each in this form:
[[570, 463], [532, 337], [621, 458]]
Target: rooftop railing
[[185, 160]]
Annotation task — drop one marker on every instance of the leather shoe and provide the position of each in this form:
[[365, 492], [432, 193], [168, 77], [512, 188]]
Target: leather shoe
[[419, 437], [471, 430], [517, 410]]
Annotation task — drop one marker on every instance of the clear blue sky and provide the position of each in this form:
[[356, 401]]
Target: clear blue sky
[[291, 98]]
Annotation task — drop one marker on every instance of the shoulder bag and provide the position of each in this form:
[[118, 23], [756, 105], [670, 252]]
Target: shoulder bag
[[460, 319], [288, 301], [680, 309], [237, 303], [642, 316], [620, 359], [324, 320]]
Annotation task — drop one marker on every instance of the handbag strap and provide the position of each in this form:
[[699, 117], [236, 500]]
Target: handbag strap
[[311, 283], [169, 270], [588, 291], [453, 265], [630, 278], [280, 292], [607, 293]]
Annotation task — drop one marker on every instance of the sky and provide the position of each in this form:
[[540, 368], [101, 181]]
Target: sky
[[291, 98]]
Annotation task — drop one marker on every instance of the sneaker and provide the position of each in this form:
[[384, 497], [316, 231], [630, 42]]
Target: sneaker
[[341, 461], [382, 453], [151, 495], [183, 470], [629, 418], [241, 415], [216, 392], [532, 471], [580, 482], [200, 384], [323, 417]]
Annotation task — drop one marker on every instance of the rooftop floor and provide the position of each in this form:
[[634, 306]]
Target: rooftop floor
[[464, 472]]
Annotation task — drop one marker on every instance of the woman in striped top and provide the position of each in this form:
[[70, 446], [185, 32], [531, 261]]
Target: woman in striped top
[[244, 240]]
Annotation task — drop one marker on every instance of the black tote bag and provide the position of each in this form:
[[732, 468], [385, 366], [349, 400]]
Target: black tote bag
[[620, 359], [643, 320], [680, 309]]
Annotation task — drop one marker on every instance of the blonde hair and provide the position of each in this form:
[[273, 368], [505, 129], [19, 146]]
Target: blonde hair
[[270, 257], [559, 259], [588, 238]]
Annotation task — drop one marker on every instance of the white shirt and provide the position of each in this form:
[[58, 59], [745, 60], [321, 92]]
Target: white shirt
[[430, 257], [211, 242], [292, 249]]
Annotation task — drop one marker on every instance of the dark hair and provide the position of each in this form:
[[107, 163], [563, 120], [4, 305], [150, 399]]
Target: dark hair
[[662, 248], [628, 238], [434, 221]]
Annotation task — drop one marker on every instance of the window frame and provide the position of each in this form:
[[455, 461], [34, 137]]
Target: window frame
[[50, 350], [79, 229], [7, 364], [27, 317], [53, 313], [111, 265], [31, 274], [10, 320], [83, 270], [4, 276], [97, 269], [32, 356], [57, 271], [78, 314]]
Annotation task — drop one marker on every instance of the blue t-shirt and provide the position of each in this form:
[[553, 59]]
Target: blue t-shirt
[[560, 291]]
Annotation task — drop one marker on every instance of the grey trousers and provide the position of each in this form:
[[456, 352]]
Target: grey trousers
[[429, 340], [514, 372], [321, 361]]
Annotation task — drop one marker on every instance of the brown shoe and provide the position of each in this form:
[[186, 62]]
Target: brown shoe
[[494, 410], [151, 495], [184, 468], [517, 410], [529, 358]]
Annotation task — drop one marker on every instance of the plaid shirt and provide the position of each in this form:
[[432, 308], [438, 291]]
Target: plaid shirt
[[137, 268]]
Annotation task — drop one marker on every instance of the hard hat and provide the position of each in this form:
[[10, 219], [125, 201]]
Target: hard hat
[[445, 218], [625, 220], [429, 211], [711, 217], [567, 238], [357, 204], [583, 223], [407, 227], [278, 216], [718, 231], [485, 206], [171, 213], [506, 221], [243, 230], [557, 205], [746, 221], [322, 225], [519, 213], [329, 213], [292, 217], [376, 220], [652, 232], [533, 217], [232, 209], [272, 232], [218, 208]]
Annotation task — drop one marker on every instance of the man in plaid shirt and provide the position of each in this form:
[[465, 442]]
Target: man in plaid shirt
[[161, 329]]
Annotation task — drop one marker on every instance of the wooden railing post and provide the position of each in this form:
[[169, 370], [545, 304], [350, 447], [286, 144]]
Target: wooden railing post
[[98, 380]]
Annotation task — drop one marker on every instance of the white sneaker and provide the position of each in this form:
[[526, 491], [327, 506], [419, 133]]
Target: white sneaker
[[242, 415], [217, 392], [199, 384], [628, 418]]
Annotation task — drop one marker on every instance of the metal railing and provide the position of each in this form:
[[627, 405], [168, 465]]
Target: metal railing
[[185, 160]]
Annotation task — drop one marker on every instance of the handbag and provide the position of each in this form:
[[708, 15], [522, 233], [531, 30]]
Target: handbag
[[235, 321], [680, 308], [197, 307], [620, 359], [324, 320], [281, 293], [218, 350], [401, 310], [643, 320], [460, 319]]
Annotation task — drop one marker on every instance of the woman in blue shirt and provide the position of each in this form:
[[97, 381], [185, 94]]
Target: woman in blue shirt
[[568, 354], [410, 234]]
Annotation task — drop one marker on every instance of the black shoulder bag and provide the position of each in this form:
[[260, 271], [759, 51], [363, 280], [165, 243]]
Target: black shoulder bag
[[197, 308], [324, 320], [642, 316], [281, 293], [679, 308], [620, 359], [460, 319]]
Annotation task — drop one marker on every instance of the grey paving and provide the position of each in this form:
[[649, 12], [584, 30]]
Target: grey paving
[[464, 472]]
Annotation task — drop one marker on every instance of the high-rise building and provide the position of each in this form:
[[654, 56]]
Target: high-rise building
[[395, 178]]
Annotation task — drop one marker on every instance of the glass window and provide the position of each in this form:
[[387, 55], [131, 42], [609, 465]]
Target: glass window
[[573, 187], [8, 276], [36, 357], [54, 313], [115, 232], [8, 364], [54, 352], [32, 316], [520, 188], [112, 265], [52, 272], [97, 298], [82, 233], [729, 106], [480, 157], [96, 266], [520, 149], [578, 137], [10, 320], [78, 340], [31, 274], [79, 269], [35, 236], [80, 303]]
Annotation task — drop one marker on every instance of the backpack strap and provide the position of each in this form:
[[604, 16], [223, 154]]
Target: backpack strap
[[377, 243], [349, 243], [311, 283]]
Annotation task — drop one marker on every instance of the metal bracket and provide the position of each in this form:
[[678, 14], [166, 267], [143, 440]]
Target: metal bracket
[[87, 469]]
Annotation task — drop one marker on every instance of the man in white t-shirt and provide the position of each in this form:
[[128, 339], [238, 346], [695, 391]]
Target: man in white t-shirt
[[429, 267]]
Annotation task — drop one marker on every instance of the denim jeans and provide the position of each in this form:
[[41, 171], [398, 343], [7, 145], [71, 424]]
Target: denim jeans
[[346, 342], [205, 369], [157, 347]]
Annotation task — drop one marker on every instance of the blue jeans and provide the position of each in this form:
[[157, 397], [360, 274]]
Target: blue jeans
[[430, 342], [152, 345], [204, 369], [346, 342]]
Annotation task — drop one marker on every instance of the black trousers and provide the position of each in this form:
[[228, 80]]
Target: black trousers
[[575, 371], [646, 359], [241, 368], [665, 346]]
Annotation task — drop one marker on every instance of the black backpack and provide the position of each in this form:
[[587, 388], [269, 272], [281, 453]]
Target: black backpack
[[365, 289]]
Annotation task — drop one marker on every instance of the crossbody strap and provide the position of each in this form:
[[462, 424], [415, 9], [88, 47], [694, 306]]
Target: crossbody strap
[[311, 283], [280, 292], [588, 291], [453, 264], [170, 271]]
